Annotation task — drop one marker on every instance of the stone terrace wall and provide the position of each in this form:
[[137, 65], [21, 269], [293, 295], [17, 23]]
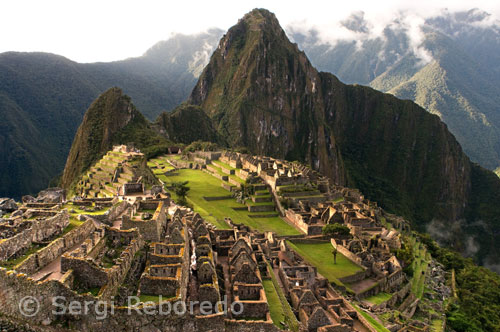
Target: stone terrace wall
[[21, 241], [56, 248], [43, 229], [14, 287], [348, 254], [39, 231]]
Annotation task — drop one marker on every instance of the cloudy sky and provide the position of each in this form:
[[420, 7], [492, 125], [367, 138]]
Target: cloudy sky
[[106, 30]]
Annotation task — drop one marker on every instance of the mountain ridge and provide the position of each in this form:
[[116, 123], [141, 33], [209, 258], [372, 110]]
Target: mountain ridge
[[49, 94], [262, 93]]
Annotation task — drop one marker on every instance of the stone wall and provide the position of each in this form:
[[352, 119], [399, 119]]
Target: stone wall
[[131, 188], [297, 220], [19, 242], [46, 228], [150, 229], [39, 231], [235, 182], [14, 287], [260, 208], [116, 211], [348, 254], [167, 287]]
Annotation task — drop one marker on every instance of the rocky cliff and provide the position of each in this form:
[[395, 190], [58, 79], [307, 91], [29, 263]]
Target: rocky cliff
[[186, 124], [111, 119], [261, 92]]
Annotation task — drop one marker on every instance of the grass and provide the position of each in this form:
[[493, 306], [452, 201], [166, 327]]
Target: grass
[[223, 165], [275, 307], [437, 325], [73, 223], [10, 264], [77, 210], [205, 185], [419, 270], [320, 255], [374, 323], [379, 298], [288, 314]]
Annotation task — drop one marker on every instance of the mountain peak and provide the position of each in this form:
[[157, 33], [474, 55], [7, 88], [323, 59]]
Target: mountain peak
[[259, 17], [111, 119]]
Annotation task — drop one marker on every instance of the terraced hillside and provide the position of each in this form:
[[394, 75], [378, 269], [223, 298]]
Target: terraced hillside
[[210, 195], [108, 175]]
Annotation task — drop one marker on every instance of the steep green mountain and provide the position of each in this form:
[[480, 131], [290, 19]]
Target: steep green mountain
[[450, 66], [43, 98], [111, 119], [186, 124], [261, 92]]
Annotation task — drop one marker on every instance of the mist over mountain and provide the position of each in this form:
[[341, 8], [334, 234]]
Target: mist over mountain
[[43, 98], [448, 64]]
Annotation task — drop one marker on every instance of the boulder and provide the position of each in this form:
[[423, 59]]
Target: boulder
[[8, 205], [28, 199], [51, 195]]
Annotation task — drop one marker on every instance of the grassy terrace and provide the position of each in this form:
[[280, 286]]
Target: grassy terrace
[[275, 307], [419, 265], [288, 315], [205, 185], [374, 323], [219, 163], [379, 298], [320, 255]]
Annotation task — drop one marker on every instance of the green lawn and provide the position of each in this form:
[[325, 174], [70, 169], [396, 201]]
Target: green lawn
[[205, 185], [379, 298], [219, 163], [320, 255], [275, 307], [376, 324]]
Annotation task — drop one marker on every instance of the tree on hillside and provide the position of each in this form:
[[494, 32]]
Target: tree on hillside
[[336, 229], [181, 189], [334, 252]]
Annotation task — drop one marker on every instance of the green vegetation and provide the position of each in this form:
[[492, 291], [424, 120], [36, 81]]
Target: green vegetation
[[187, 124], [111, 119], [320, 255], [275, 307], [289, 316], [205, 185], [200, 146], [73, 223], [379, 298], [336, 229], [478, 306], [419, 268], [181, 190], [94, 291], [376, 324], [10, 264]]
